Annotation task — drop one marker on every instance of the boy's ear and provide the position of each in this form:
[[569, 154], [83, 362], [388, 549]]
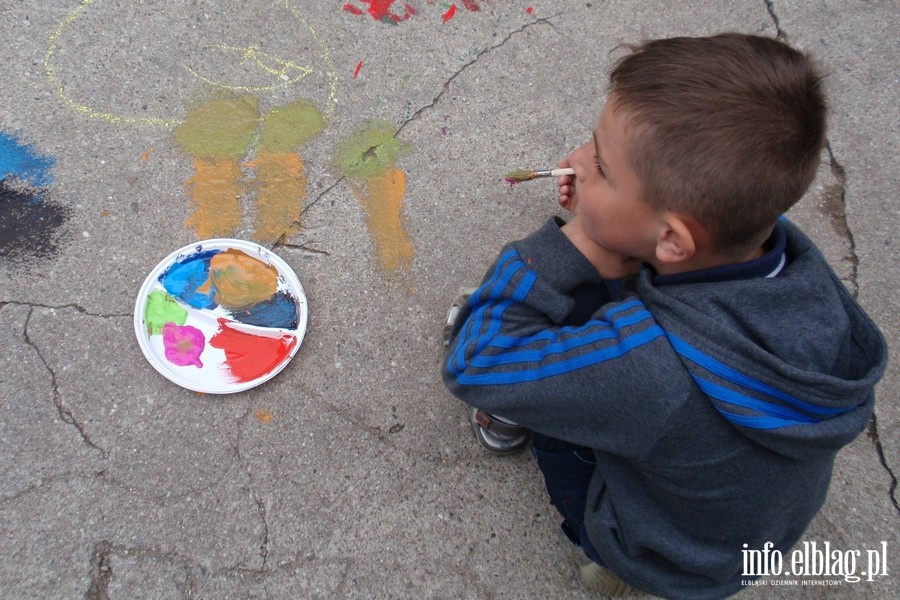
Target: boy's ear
[[677, 241]]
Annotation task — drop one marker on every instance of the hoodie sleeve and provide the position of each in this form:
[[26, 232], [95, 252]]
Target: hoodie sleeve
[[511, 355]]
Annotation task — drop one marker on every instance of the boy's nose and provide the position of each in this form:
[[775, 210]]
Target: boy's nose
[[577, 159]]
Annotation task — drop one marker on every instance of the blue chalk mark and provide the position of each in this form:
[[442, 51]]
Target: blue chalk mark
[[21, 161]]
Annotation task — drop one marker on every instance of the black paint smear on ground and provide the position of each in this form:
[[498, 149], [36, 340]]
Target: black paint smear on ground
[[31, 225]]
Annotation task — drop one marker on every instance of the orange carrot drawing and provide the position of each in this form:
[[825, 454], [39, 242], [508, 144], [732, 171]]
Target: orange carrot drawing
[[367, 159], [281, 184], [217, 135]]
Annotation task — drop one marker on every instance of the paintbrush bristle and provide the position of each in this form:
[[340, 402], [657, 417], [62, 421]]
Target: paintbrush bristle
[[519, 175]]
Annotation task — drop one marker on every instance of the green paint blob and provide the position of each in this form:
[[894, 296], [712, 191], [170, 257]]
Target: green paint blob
[[370, 151], [286, 127], [220, 128], [161, 309]]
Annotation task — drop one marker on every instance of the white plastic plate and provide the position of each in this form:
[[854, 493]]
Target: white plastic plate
[[217, 350]]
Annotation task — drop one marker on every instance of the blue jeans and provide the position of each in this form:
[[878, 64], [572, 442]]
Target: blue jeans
[[567, 470]]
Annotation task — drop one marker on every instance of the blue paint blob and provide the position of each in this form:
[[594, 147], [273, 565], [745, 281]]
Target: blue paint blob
[[21, 161], [184, 277], [278, 311]]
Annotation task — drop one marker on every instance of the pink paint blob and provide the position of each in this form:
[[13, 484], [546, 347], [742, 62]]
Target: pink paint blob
[[183, 344]]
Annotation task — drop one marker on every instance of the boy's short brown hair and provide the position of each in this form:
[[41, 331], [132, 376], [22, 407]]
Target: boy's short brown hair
[[728, 129]]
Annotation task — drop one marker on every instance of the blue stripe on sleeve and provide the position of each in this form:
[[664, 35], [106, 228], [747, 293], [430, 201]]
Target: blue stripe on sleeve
[[508, 265], [736, 398], [729, 374], [565, 366], [480, 333], [769, 415], [757, 422], [579, 338]]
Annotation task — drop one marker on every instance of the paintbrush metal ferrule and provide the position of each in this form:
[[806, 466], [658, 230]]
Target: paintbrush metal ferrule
[[520, 175]]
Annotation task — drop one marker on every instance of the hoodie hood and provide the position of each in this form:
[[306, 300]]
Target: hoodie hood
[[790, 361]]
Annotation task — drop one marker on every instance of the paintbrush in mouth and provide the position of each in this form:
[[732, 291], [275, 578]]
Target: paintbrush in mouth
[[520, 175]]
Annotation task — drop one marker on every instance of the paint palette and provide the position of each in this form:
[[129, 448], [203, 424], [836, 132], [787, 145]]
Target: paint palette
[[220, 316]]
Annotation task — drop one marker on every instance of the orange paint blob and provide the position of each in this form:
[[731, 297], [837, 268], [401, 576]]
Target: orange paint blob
[[381, 197], [240, 281], [249, 357], [281, 190], [264, 416], [215, 192]]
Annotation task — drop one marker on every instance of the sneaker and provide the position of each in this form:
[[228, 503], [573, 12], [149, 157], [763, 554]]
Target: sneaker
[[603, 581], [497, 437], [453, 313]]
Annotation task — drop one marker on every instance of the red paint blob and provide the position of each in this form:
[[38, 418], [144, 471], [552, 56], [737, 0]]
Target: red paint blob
[[381, 11], [470, 5], [249, 356], [449, 14], [529, 10], [358, 67]]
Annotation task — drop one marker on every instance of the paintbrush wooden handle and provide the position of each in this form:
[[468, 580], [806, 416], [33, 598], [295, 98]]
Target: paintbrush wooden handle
[[554, 172]]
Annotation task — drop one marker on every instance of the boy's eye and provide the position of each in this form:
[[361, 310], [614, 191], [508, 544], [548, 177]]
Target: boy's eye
[[599, 168]]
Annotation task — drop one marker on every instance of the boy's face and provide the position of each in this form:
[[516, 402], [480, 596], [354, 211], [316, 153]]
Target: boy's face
[[607, 191]]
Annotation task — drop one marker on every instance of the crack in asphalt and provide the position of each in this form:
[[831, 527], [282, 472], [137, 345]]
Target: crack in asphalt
[[65, 413], [446, 87], [101, 572], [282, 241], [836, 208], [770, 7], [259, 501]]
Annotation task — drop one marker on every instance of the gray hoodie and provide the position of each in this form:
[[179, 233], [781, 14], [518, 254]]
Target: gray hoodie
[[715, 410]]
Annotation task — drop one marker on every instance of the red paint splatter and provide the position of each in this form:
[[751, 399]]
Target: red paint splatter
[[249, 356], [470, 5], [449, 14], [356, 71], [529, 10], [381, 11]]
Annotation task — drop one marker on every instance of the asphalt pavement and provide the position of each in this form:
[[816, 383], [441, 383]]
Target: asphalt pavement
[[129, 130]]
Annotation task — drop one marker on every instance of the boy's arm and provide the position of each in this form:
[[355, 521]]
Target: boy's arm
[[510, 354]]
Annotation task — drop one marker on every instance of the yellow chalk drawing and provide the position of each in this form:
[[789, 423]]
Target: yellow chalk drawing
[[367, 159], [84, 109], [326, 58], [286, 72]]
